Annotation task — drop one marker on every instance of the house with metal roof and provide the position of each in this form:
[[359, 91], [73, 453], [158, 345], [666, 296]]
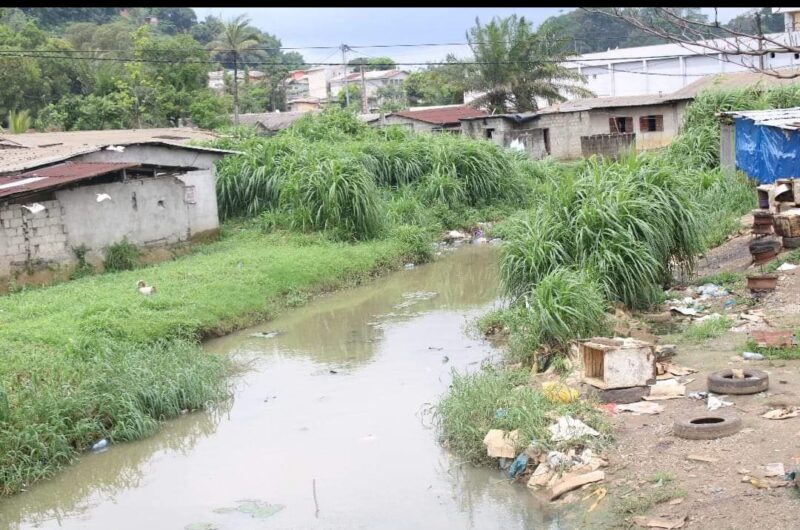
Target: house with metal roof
[[433, 119], [765, 144], [608, 126], [92, 189]]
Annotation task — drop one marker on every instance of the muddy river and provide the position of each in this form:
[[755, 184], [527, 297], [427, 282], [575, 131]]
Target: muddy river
[[329, 428]]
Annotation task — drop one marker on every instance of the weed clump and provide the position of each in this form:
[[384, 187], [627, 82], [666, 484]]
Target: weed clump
[[122, 256]]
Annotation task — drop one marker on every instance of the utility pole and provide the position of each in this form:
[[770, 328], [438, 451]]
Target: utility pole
[[760, 40], [344, 48], [235, 88], [364, 98]]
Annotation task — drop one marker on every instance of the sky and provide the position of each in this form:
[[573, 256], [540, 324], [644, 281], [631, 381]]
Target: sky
[[301, 27]]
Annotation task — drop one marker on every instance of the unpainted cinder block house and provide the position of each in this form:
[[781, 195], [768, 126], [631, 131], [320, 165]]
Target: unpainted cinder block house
[[92, 189]]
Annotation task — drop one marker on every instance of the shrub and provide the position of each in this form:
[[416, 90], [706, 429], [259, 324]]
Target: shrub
[[417, 243], [122, 256], [83, 268]]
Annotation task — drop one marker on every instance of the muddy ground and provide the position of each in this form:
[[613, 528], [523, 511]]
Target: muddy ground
[[713, 493]]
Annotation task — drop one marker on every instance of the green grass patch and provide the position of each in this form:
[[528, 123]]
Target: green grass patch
[[789, 257], [720, 278], [93, 358], [639, 504], [708, 329], [788, 353], [470, 408]]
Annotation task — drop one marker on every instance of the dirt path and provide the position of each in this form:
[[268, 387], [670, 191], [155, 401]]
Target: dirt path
[[713, 493]]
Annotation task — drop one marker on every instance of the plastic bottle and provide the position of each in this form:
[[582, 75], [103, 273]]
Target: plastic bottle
[[752, 356], [99, 446]]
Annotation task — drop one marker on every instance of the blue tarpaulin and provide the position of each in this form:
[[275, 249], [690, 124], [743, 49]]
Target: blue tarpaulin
[[766, 153]]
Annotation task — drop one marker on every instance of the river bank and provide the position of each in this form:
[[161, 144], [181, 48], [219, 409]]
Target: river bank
[[94, 358], [315, 442]]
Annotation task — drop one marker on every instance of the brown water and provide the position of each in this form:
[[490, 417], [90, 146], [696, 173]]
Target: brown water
[[358, 439]]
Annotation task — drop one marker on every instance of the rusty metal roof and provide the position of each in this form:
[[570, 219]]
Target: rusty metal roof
[[442, 115], [56, 176]]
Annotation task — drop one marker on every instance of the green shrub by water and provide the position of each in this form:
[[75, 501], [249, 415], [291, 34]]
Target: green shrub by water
[[470, 408]]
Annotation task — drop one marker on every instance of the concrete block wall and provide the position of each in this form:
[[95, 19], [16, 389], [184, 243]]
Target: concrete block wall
[[565, 130], [607, 145], [31, 241]]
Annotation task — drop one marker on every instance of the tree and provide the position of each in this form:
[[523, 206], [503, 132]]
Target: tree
[[392, 98], [373, 63], [515, 65], [355, 96], [209, 111], [435, 86], [207, 30], [237, 41], [733, 43]]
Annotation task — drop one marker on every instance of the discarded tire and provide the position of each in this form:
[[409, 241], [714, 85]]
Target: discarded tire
[[760, 246], [707, 427], [791, 242], [723, 382]]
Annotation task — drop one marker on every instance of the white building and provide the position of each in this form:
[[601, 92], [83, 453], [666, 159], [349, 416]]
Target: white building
[[216, 79], [665, 68], [374, 80]]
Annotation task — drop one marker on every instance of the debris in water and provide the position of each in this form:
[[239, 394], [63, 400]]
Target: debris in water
[[100, 446], [265, 334], [501, 444], [408, 266], [519, 465], [255, 508]]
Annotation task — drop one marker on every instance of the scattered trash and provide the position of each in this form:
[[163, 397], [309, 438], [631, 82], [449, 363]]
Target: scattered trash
[[729, 304], [712, 316], [557, 459], [669, 389], [715, 403], [665, 350], [500, 413], [669, 368], [752, 356], [99, 446], [774, 470], [408, 266], [501, 444], [495, 241], [568, 428], [698, 395], [570, 482], [600, 493], [782, 413], [737, 373], [265, 334], [659, 522], [518, 465], [641, 407], [699, 458], [711, 290], [555, 391], [541, 476], [787, 267], [685, 311], [145, 289], [455, 235]]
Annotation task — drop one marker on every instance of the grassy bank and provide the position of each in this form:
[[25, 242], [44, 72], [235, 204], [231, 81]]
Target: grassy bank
[[601, 233], [94, 359]]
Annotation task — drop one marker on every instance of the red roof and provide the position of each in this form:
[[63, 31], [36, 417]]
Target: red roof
[[58, 175], [442, 116]]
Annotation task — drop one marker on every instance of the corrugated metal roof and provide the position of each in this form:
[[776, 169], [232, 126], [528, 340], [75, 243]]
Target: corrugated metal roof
[[442, 116], [59, 175], [272, 121], [30, 150], [788, 119]]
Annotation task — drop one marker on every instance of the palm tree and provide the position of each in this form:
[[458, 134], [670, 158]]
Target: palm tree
[[516, 65], [237, 41]]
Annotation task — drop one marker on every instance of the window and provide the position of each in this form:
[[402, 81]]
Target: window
[[546, 138], [651, 123], [620, 124], [489, 133]]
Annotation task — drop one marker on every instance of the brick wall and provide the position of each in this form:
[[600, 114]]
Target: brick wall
[[32, 241]]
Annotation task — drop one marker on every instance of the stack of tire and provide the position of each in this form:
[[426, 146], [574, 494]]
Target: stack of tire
[[763, 222], [764, 250], [787, 225]]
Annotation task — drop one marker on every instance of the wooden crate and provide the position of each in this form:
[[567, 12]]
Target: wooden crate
[[618, 363], [788, 223]]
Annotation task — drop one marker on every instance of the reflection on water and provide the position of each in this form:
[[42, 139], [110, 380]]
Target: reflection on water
[[328, 424]]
